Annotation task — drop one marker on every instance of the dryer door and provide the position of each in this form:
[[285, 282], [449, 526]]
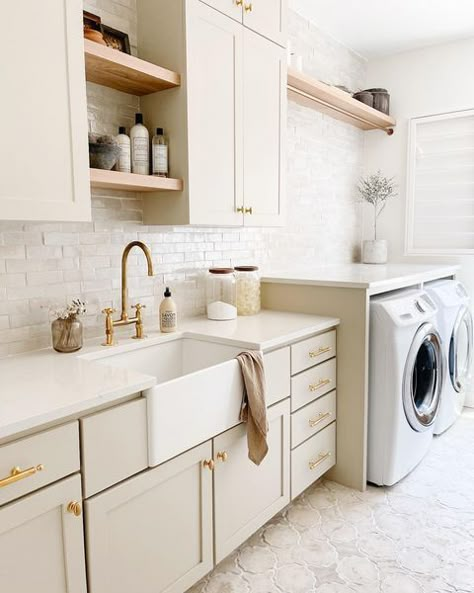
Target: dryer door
[[423, 378], [460, 350]]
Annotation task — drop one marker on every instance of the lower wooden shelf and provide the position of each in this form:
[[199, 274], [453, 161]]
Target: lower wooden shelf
[[101, 178]]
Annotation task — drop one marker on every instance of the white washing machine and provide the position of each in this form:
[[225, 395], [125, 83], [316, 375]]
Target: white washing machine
[[405, 381], [455, 327]]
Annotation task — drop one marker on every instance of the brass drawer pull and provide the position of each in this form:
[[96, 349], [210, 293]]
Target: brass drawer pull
[[222, 456], [240, 209], [319, 351], [239, 2], [74, 508], [322, 457], [209, 463], [319, 384], [319, 418], [248, 210], [17, 474]]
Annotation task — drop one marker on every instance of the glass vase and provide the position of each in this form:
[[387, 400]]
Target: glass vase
[[67, 334]]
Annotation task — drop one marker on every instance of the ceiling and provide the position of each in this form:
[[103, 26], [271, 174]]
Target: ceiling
[[376, 28]]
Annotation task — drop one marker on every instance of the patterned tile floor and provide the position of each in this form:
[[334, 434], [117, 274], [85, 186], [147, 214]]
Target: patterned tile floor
[[415, 537]]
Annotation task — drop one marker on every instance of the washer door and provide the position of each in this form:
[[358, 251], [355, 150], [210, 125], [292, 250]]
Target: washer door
[[460, 350], [423, 378]]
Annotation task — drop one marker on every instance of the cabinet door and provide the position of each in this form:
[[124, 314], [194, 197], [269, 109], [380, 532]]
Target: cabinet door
[[232, 8], [153, 533], [264, 130], [245, 495], [41, 543], [214, 50], [267, 17], [43, 151]]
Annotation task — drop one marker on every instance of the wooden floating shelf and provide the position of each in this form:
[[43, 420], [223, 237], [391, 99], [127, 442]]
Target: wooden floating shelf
[[103, 179], [117, 70], [332, 101]]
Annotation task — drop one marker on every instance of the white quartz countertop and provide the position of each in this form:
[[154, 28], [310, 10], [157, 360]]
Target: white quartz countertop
[[373, 278], [43, 388]]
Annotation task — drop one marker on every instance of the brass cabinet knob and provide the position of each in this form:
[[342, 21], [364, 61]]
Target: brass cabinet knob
[[222, 456], [240, 210], [239, 2], [74, 508], [209, 463], [248, 7], [248, 210]]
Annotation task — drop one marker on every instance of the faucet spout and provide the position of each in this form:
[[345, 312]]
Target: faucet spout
[[126, 251]]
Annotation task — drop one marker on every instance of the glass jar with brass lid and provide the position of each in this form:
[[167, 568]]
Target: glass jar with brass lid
[[248, 290]]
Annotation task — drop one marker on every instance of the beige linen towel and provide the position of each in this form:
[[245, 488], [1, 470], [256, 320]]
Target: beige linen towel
[[254, 408]]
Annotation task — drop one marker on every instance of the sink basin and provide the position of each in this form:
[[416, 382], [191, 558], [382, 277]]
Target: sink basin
[[198, 392]]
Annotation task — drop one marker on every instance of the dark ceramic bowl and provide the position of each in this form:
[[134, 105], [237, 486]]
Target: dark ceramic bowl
[[103, 156]]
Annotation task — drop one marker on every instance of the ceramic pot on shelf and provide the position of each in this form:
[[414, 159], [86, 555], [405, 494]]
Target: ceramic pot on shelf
[[375, 251]]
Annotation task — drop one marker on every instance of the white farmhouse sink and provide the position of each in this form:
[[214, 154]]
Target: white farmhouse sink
[[199, 392]]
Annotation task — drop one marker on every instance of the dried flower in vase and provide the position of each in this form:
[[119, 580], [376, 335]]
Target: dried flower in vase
[[66, 329], [376, 190]]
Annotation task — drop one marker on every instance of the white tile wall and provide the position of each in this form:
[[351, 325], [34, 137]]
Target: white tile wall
[[49, 263]]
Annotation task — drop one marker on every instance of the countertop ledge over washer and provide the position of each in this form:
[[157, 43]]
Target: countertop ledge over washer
[[44, 388]]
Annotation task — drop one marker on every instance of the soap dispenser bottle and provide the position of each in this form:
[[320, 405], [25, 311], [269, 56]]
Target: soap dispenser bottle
[[140, 141], [168, 313]]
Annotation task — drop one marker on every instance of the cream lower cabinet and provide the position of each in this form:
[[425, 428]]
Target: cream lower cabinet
[[43, 151], [246, 496], [41, 542], [153, 533]]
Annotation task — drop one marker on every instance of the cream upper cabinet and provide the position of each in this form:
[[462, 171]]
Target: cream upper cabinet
[[267, 17], [264, 93], [238, 511], [42, 543], [153, 533], [43, 151], [232, 8]]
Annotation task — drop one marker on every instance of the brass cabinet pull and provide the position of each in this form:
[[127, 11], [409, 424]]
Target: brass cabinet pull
[[209, 463], [319, 418], [319, 384], [319, 351], [17, 474], [248, 210], [248, 7], [322, 457], [240, 209], [239, 2], [222, 456], [74, 508]]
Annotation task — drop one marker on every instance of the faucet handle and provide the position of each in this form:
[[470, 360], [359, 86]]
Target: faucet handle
[[138, 307], [109, 326], [109, 311], [139, 322]]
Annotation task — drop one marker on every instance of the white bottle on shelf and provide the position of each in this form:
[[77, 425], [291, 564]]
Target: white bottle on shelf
[[124, 161], [140, 141], [159, 152]]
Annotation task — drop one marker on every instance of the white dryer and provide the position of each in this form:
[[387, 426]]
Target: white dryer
[[455, 327], [405, 380]]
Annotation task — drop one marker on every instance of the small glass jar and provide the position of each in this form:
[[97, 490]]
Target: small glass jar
[[248, 290], [67, 334], [221, 294]]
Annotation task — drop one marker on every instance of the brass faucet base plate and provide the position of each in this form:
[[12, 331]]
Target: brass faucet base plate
[[137, 338]]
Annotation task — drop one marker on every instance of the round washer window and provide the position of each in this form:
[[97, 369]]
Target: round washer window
[[460, 350]]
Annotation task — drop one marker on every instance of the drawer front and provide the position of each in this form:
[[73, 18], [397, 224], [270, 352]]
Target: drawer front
[[313, 351], [312, 418], [277, 375], [41, 459], [312, 459], [313, 383], [114, 445]]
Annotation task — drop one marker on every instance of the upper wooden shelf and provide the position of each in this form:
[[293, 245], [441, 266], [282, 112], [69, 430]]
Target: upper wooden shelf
[[126, 73], [340, 105], [132, 182]]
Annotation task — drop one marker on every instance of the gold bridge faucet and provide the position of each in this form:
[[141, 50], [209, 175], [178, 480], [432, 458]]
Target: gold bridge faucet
[[110, 323]]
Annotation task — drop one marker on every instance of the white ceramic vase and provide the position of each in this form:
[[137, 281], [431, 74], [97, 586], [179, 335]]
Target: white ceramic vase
[[375, 252]]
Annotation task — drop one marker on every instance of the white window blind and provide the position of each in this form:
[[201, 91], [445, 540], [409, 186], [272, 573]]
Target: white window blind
[[440, 192]]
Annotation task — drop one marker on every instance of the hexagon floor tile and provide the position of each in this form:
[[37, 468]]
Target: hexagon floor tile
[[414, 537]]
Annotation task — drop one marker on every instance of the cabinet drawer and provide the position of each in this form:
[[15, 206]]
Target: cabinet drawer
[[312, 459], [114, 445], [313, 418], [313, 351], [277, 375], [313, 383], [55, 450]]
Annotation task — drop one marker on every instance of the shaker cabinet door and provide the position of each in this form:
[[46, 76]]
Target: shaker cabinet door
[[43, 146], [267, 17], [214, 50], [264, 131], [153, 533], [232, 8], [246, 495], [42, 543]]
